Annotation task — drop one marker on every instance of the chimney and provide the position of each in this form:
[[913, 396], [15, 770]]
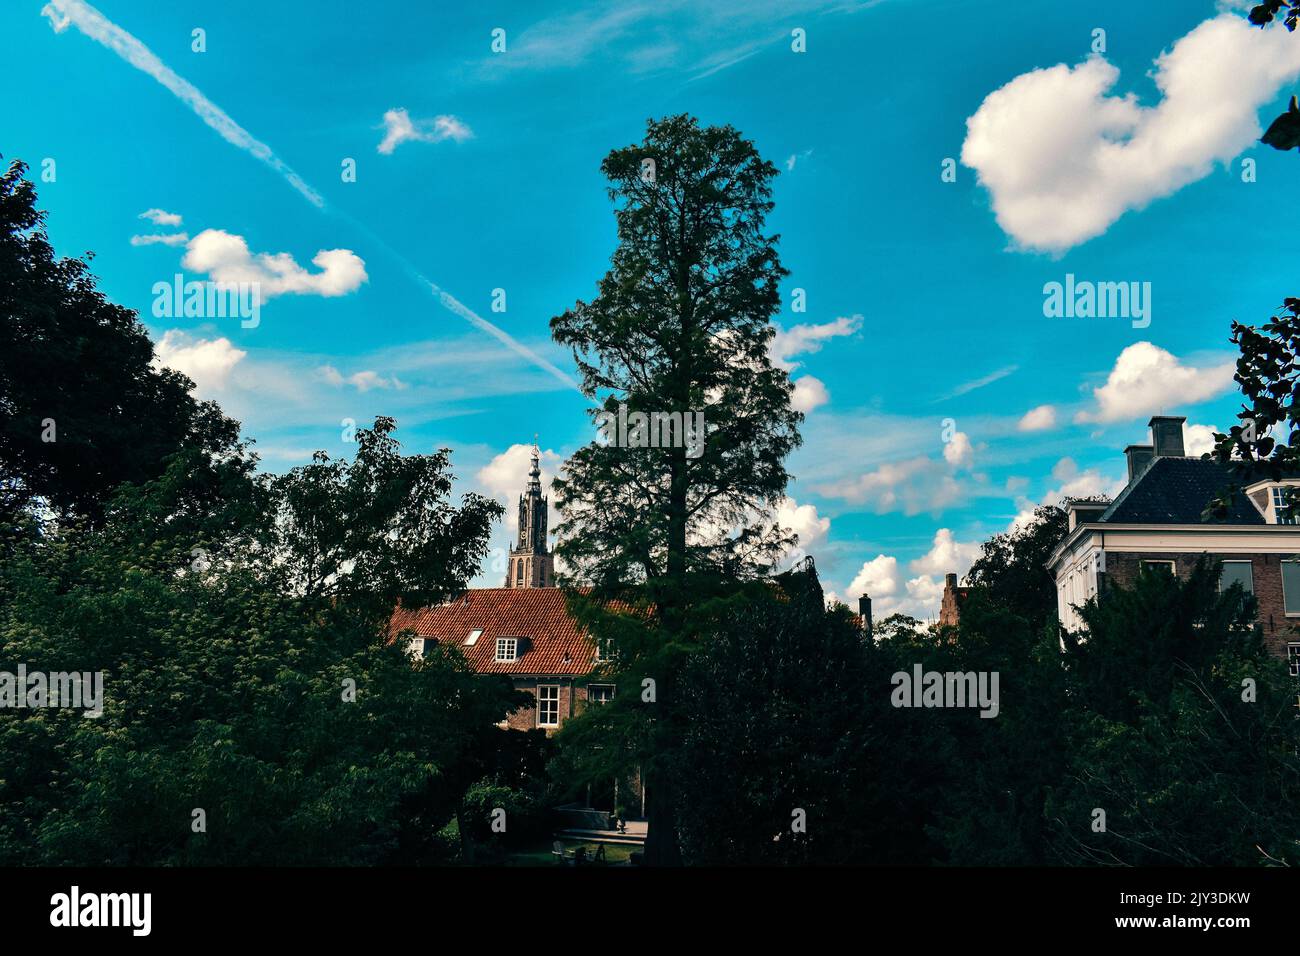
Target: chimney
[[864, 612], [1139, 456], [949, 581], [1167, 435]]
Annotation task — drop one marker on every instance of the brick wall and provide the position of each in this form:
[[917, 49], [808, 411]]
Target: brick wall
[[573, 697], [1266, 569]]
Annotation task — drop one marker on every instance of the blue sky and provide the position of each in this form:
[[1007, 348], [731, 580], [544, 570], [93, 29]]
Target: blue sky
[[924, 298]]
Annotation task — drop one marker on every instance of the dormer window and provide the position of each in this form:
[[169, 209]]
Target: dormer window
[[1282, 511], [1278, 502], [507, 649]]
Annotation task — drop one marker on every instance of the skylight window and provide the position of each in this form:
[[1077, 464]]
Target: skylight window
[[473, 638]]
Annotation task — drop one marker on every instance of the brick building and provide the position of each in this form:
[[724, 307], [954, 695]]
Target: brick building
[[1156, 521], [525, 634], [523, 630], [954, 596]]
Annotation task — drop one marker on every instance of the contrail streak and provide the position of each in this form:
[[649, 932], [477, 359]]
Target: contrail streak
[[99, 28], [65, 13]]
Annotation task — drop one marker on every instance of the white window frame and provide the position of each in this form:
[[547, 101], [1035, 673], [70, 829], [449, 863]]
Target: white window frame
[[1282, 573], [474, 635], [542, 703], [1250, 566], [507, 649], [1170, 564], [612, 691], [1281, 510], [1293, 658]]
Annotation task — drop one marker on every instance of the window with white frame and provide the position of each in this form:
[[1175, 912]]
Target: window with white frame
[[1291, 587], [1237, 572], [548, 705], [427, 646], [473, 638], [1159, 566], [604, 693], [507, 648], [1281, 506], [1293, 659]]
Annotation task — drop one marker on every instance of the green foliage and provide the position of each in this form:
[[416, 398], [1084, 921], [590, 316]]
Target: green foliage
[[229, 680], [1268, 372], [1264, 13], [527, 816], [378, 531], [1164, 738], [680, 325], [789, 755], [1011, 570], [77, 368]]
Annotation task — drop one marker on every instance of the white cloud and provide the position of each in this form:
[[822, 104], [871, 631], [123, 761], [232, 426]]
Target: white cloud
[[92, 23], [648, 37], [1146, 380], [881, 580], [1199, 439], [171, 239], [804, 521], [399, 128], [801, 339], [946, 554], [506, 476], [809, 393], [914, 485], [1024, 516], [161, 217], [1064, 157], [1038, 419], [1073, 483], [362, 381], [208, 362], [1090, 483], [793, 159], [958, 451], [877, 578], [989, 379], [225, 257]]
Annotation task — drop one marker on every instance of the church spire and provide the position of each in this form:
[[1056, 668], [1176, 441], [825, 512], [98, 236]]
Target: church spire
[[535, 472], [531, 564]]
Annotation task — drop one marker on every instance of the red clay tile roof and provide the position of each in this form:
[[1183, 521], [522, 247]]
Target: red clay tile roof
[[552, 641]]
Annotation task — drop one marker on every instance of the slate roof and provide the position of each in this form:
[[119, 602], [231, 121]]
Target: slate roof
[[1176, 491], [552, 641]]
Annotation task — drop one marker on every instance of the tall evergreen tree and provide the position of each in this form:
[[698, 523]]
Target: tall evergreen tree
[[680, 325]]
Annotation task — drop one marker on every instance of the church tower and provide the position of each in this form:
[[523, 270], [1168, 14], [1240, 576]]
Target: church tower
[[530, 558]]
